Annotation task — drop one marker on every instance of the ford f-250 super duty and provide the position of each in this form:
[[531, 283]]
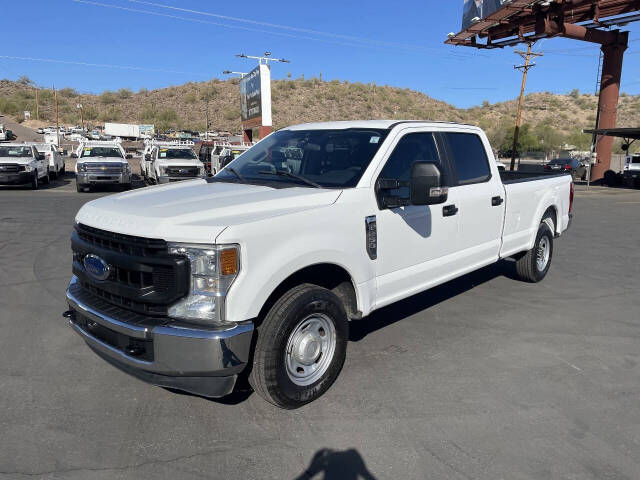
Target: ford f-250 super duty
[[258, 270]]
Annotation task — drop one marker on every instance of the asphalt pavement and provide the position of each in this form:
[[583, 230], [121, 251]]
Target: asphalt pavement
[[484, 377]]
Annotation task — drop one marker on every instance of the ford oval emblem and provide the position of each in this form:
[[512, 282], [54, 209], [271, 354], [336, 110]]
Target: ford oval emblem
[[96, 267]]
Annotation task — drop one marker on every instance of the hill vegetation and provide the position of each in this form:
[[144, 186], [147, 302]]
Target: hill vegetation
[[549, 120]]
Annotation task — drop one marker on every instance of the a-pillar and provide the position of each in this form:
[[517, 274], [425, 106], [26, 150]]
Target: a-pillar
[[613, 54]]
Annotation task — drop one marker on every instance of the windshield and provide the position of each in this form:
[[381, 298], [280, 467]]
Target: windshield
[[101, 152], [169, 153], [15, 151], [328, 158]]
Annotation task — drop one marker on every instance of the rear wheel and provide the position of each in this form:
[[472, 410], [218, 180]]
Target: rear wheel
[[301, 347], [534, 264]]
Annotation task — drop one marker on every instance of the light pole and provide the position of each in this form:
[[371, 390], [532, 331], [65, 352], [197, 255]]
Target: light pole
[[265, 59], [79, 107]]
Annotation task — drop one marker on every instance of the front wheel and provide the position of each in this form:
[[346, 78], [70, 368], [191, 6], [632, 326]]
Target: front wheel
[[534, 264], [301, 347], [34, 181]]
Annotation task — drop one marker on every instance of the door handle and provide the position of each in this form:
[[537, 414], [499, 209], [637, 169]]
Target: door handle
[[495, 201], [449, 210]]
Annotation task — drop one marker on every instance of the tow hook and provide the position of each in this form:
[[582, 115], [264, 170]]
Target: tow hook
[[71, 314]]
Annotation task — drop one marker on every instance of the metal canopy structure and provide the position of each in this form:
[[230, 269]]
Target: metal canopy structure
[[526, 21], [627, 134], [530, 20]]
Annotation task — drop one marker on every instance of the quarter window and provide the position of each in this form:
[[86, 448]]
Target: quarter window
[[469, 157]]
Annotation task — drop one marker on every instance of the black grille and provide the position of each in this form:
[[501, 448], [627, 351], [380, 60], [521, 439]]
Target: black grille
[[182, 171], [11, 168], [143, 277]]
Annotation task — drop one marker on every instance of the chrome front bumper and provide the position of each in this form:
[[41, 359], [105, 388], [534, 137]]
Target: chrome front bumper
[[200, 360], [93, 178], [168, 179]]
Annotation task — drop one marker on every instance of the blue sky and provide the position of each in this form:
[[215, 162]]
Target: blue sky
[[398, 44]]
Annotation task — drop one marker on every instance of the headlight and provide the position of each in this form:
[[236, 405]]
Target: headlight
[[213, 270], [28, 168], [81, 167]]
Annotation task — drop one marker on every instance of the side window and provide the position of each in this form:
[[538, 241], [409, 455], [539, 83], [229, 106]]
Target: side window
[[468, 157], [411, 148]]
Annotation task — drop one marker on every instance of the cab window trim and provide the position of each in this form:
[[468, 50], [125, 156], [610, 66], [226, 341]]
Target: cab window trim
[[452, 162]]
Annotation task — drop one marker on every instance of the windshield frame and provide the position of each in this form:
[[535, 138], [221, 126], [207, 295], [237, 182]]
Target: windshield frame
[[84, 149], [168, 158], [354, 154]]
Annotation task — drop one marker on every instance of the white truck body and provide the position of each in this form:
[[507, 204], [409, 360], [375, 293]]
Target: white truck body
[[384, 248], [123, 130], [3, 133]]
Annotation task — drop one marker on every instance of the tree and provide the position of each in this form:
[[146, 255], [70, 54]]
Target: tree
[[26, 81]]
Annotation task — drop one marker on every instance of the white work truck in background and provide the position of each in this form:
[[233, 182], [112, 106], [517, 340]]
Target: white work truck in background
[[22, 164], [52, 156], [171, 162], [257, 271], [101, 163]]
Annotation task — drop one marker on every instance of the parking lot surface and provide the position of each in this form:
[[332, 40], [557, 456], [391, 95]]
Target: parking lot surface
[[484, 377]]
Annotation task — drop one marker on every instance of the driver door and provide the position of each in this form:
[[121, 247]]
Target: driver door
[[416, 243]]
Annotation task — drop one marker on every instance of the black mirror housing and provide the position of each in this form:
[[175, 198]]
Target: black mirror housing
[[426, 184], [147, 157], [41, 156], [73, 155], [128, 156]]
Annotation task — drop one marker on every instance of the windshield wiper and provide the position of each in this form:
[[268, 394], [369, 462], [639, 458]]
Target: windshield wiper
[[232, 170], [284, 173]]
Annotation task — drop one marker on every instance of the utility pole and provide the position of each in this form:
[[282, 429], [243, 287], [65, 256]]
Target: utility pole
[[527, 56], [37, 108], [55, 98]]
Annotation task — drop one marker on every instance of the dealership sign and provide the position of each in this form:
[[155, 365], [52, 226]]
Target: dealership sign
[[255, 98], [474, 10]]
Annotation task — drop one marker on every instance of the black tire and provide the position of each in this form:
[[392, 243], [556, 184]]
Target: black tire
[[125, 187], [35, 184], [63, 170], [527, 266], [79, 189], [269, 376]]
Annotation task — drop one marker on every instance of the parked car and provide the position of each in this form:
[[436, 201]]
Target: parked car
[[169, 162], [102, 163], [574, 166], [53, 158], [40, 131], [22, 164], [631, 170], [258, 270]]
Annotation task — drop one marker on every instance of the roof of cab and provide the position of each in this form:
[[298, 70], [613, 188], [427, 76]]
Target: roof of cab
[[377, 124]]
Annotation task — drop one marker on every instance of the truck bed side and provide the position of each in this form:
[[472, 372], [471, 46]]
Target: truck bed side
[[528, 197]]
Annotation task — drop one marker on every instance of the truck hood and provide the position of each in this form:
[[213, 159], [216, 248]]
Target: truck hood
[[16, 160], [101, 160], [196, 211]]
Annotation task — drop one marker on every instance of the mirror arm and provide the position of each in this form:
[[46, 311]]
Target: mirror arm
[[391, 184]]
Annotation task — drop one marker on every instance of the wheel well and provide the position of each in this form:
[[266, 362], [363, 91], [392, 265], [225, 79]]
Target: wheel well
[[551, 212], [326, 275]]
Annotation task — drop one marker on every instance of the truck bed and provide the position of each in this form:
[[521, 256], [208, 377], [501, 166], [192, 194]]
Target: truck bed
[[518, 177]]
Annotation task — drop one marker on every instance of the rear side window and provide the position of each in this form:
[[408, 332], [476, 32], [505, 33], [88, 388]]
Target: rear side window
[[468, 157]]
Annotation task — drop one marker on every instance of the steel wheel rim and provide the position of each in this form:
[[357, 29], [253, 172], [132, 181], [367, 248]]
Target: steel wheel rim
[[543, 253], [310, 349]]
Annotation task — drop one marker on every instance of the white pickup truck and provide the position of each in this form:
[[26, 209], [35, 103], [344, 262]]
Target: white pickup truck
[[22, 164], [167, 163], [102, 163], [258, 270], [52, 157]]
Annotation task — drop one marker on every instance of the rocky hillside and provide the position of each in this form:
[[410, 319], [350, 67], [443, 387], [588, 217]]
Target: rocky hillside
[[553, 118]]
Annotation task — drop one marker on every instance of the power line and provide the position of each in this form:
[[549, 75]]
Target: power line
[[371, 43], [98, 65]]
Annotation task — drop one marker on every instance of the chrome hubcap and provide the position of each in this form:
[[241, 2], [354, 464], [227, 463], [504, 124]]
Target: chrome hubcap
[[542, 254], [310, 349]]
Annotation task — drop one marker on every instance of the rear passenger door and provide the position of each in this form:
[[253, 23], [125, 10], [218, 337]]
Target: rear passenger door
[[480, 198]]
